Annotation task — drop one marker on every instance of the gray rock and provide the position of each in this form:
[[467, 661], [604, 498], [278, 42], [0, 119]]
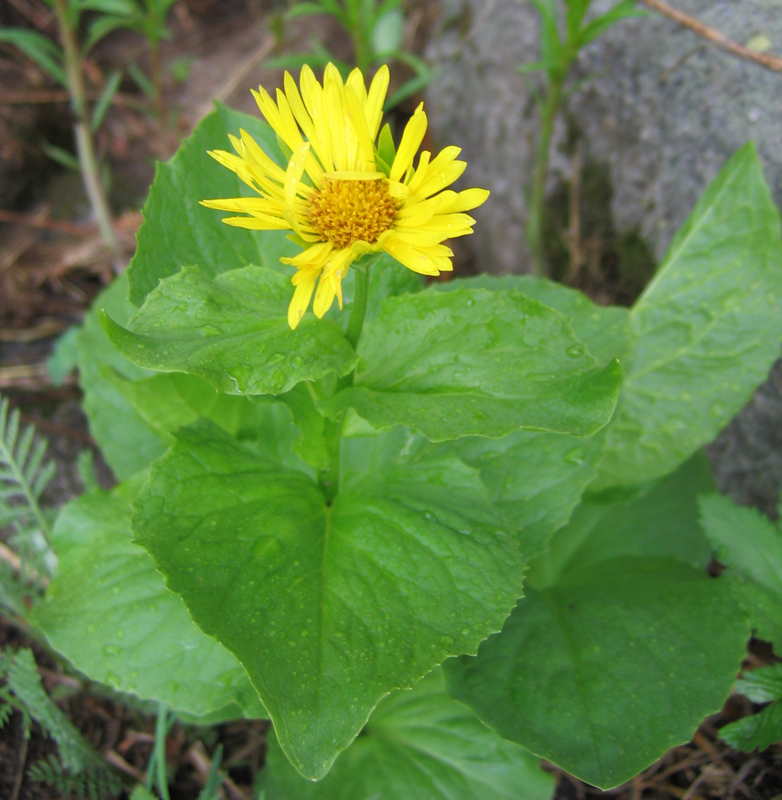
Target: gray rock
[[747, 455], [659, 105]]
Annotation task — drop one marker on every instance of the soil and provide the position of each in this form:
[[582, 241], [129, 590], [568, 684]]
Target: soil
[[52, 263]]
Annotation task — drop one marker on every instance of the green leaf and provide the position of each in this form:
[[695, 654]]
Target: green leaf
[[126, 441], [750, 546], [762, 685], [232, 331], [65, 357], [388, 33], [536, 479], [387, 278], [604, 329], [531, 66], [761, 730], [622, 10], [328, 607], [756, 732], [107, 95], [472, 362], [705, 332], [418, 745], [109, 613], [311, 446], [142, 793], [61, 156], [40, 49], [168, 401], [620, 647], [178, 232]]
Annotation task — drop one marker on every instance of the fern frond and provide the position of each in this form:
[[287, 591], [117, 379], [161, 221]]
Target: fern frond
[[79, 770], [25, 682], [95, 783], [6, 706], [23, 472]]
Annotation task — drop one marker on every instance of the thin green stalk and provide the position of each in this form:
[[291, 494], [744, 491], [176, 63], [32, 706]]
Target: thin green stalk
[[359, 309], [328, 478], [536, 218], [360, 50], [157, 769], [85, 147]]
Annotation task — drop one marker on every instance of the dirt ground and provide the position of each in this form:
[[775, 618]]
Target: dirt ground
[[52, 263]]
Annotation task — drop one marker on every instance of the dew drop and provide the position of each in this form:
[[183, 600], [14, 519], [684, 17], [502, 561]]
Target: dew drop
[[575, 456]]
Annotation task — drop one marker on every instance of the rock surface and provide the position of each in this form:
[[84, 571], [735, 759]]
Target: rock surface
[[662, 107]]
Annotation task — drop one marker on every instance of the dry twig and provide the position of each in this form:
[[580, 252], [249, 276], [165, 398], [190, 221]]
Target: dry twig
[[766, 60]]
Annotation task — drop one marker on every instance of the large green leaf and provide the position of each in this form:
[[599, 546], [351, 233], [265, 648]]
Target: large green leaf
[[537, 479], [705, 332], [620, 646], [750, 545], [604, 329], [169, 400], [126, 441], [178, 232], [327, 607], [418, 745], [452, 364], [232, 331], [109, 613]]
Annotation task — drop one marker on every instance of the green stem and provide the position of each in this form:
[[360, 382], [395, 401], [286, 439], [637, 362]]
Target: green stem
[[359, 309], [536, 218], [85, 147], [328, 478], [159, 753]]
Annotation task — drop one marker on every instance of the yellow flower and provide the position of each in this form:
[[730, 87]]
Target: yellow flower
[[347, 191]]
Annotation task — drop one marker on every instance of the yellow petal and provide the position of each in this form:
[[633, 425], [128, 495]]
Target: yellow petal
[[419, 213], [301, 297], [336, 116], [258, 223], [338, 262], [313, 257], [294, 172], [411, 257], [356, 82], [442, 223], [256, 153], [408, 147], [320, 119], [305, 121], [439, 181], [375, 99], [466, 200], [355, 113], [445, 157]]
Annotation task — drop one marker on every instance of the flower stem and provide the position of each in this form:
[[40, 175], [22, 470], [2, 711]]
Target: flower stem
[[328, 477], [84, 145], [359, 309], [536, 218]]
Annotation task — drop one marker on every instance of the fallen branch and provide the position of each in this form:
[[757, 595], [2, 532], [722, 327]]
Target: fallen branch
[[766, 60]]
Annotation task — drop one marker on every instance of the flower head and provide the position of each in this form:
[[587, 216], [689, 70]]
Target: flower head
[[347, 190]]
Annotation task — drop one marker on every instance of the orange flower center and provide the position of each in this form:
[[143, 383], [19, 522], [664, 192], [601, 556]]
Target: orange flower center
[[346, 211]]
